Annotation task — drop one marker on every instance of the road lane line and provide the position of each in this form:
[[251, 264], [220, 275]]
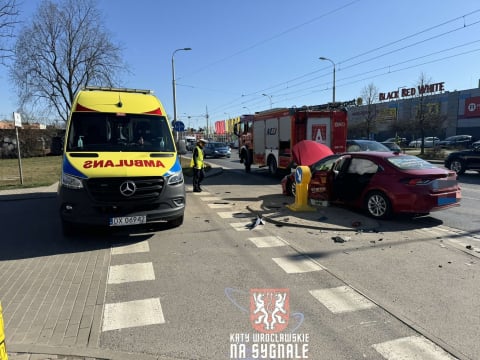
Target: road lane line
[[412, 347], [268, 241], [233, 215], [219, 205], [342, 299], [118, 249], [119, 274], [210, 198], [132, 314], [203, 193], [297, 264], [245, 226]]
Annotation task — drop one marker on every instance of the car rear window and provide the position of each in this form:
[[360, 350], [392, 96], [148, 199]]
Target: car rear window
[[409, 162]]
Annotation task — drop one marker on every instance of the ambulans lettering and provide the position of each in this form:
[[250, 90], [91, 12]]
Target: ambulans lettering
[[92, 164]]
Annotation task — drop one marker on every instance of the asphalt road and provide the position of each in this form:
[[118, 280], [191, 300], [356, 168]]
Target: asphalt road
[[397, 289]]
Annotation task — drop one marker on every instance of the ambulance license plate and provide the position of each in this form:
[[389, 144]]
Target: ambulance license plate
[[128, 220]]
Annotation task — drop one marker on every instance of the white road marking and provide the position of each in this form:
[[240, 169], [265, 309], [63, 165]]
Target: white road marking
[[268, 241], [220, 205], [119, 274], [119, 249], [464, 243], [210, 198], [411, 348], [203, 193], [298, 264], [244, 226], [342, 299], [132, 314], [233, 215]]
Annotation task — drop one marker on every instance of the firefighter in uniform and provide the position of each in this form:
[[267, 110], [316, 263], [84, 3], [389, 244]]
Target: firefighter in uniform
[[198, 165]]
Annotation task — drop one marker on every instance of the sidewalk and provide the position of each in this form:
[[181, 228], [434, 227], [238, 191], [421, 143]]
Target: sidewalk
[[28, 193]]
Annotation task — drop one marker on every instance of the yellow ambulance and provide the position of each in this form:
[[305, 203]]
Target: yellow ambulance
[[120, 162]]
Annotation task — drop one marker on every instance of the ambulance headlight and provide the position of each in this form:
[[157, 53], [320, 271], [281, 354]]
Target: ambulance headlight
[[175, 178], [71, 182]]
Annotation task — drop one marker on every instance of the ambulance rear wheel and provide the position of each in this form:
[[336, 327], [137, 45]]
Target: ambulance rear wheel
[[272, 165]]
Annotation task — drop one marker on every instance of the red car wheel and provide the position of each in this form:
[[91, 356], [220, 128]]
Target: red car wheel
[[378, 205]]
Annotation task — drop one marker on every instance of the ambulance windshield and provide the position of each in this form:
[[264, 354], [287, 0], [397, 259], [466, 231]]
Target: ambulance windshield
[[119, 132]]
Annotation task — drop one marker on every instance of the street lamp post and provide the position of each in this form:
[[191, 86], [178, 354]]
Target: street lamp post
[[174, 86], [270, 98], [324, 58]]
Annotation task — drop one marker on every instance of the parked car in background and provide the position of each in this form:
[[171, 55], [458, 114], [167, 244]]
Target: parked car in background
[[393, 146], [463, 160], [217, 149], [365, 145], [380, 183], [457, 141], [400, 141], [429, 142], [190, 142]]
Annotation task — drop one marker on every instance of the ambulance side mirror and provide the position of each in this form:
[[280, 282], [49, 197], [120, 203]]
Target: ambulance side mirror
[[182, 147]]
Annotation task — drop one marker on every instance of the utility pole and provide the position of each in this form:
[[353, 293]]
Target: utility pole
[[206, 117]]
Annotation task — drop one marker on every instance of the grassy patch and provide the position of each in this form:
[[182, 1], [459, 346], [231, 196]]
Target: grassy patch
[[37, 171]]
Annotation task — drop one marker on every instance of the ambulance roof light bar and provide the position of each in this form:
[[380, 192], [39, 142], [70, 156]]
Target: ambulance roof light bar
[[104, 88]]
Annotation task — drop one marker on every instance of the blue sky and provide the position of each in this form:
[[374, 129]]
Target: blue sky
[[243, 49]]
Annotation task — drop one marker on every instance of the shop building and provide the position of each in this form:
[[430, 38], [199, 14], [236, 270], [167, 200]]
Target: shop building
[[459, 112]]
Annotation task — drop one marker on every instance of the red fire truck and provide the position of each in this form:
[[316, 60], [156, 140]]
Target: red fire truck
[[267, 138]]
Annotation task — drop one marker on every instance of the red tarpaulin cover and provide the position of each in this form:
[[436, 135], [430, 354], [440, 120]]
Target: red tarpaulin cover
[[307, 152]]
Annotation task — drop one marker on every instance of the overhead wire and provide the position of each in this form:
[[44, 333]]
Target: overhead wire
[[339, 80], [268, 39], [292, 83]]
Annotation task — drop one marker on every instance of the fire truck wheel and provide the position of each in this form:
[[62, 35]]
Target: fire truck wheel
[[272, 165]]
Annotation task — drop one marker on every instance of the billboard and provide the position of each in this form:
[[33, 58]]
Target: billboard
[[472, 107]]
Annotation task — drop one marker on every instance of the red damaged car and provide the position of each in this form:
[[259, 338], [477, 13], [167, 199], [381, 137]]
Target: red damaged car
[[381, 183]]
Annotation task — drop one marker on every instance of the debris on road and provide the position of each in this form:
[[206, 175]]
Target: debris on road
[[340, 239], [256, 222]]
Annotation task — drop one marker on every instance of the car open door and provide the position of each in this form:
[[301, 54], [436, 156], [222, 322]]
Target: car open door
[[323, 180]]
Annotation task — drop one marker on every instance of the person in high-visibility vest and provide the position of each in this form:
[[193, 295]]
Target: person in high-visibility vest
[[198, 165]]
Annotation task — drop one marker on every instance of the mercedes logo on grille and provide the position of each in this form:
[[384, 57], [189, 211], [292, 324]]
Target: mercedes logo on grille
[[128, 188]]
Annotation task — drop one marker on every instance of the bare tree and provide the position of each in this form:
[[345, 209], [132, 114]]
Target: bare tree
[[427, 115], [64, 49], [370, 96], [8, 21]]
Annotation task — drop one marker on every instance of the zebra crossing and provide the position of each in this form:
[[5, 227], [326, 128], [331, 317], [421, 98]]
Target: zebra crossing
[[455, 238], [337, 300], [117, 316]]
